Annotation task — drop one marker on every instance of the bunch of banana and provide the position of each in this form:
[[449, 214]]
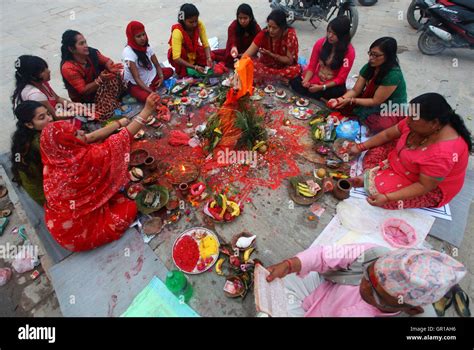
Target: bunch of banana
[[318, 134], [316, 120], [227, 205], [258, 144], [304, 190]]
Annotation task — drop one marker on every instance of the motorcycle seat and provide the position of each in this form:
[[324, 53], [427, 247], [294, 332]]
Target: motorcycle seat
[[466, 3]]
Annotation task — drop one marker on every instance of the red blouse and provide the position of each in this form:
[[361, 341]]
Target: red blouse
[[79, 76], [445, 160], [288, 43]]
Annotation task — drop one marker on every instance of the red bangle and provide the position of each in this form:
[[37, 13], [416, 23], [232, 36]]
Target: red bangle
[[361, 147], [290, 265]]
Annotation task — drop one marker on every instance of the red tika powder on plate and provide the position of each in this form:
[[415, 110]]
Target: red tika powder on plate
[[186, 253]]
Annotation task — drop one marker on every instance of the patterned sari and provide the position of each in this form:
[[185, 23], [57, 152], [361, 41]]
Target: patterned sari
[[84, 208]]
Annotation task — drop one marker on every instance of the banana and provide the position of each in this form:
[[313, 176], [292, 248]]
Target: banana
[[213, 204], [224, 204], [305, 192], [235, 208], [219, 267], [247, 254], [258, 145], [316, 120], [303, 185]]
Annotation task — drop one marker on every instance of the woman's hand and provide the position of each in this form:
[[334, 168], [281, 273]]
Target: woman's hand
[[150, 104], [114, 67], [105, 75], [354, 150], [199, 69], [266, 52], [305, 83], [379, 200], [278, 271], [315, 88], [123, 122], [209, 62], [234, 52], [342, 102]]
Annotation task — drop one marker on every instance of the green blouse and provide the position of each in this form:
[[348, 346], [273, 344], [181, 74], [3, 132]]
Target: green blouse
[[33, 181], [399, 96]]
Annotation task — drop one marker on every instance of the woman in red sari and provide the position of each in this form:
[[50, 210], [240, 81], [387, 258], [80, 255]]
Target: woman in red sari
[[82, 179], [185, 51], [278, 48], [240, 35]]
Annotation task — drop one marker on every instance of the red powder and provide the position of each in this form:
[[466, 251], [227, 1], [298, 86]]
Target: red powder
[[186, 253]]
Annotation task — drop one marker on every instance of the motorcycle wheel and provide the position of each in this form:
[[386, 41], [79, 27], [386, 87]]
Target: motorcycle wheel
[[367, 2], [415, 16], [353, 15], [430, 44]]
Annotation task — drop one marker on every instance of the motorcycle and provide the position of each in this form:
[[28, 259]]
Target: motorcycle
[[450, 24], [317, 11], [415, 14]]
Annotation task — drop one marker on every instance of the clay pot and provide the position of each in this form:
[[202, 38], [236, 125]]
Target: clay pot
[[342, 189], [184, 188], [138, 157], [150, 163]]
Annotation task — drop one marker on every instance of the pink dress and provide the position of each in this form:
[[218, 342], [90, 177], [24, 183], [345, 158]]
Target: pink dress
[[331, 299], [446, 161]]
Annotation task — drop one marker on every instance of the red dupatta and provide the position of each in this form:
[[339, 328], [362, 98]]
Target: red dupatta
[[134, 28], [190, 45], [80, 177]]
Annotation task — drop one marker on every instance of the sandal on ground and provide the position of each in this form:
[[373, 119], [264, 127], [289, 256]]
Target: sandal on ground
[[443, 304], [461, 301], [3, 191], [5, 213], [3, 225]]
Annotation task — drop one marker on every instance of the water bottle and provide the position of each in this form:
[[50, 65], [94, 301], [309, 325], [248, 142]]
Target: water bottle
[[178, 285]]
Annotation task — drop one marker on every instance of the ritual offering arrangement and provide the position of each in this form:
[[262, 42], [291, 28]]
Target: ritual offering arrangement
[[270, 89], [305, 190], [222, 208], [196, 250], [280, 94], [302, 102], [152, 199]]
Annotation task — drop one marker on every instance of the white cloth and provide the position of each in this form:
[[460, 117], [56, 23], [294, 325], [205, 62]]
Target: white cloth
[[32, 93], [297, 289], [147, 76]]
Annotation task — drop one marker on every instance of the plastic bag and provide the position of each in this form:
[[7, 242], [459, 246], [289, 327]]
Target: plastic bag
[[348, 130], [25, 260], [5, 275]]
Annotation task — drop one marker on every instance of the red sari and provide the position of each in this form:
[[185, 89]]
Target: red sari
[[266, 66], [81, 182]]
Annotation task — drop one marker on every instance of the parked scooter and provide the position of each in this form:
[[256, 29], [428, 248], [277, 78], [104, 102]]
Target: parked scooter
[[318, 10], [450, 25], [415, 14]]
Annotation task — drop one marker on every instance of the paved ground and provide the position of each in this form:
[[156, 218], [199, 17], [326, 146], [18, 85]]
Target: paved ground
[[28, 27]]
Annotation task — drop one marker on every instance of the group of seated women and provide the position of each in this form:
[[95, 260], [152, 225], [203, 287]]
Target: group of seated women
[[417, 160]]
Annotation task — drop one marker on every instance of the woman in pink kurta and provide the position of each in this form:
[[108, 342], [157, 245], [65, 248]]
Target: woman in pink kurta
[[331, 61], [426, 167]]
